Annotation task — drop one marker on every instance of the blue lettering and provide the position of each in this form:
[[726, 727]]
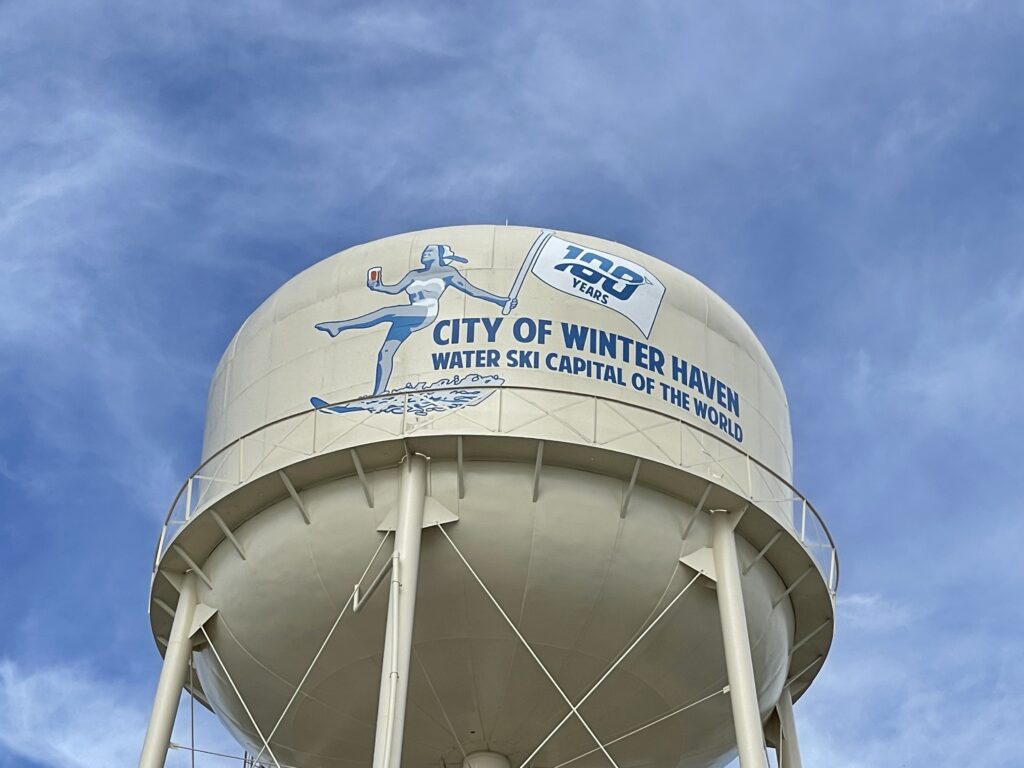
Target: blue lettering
[[439, 327], [709, 384], [695, 382], [733, 403], [575, 335], [543, 331], [524, 329], [679, 370], [466, 358], [520, 358], [616, 280], [491, 326]]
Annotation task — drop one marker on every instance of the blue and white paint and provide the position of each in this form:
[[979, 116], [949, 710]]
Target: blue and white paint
[[421, 398], [601, 278], [593, 276], [424, 288]]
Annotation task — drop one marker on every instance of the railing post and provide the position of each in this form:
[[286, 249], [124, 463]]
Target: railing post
[[160, 546]]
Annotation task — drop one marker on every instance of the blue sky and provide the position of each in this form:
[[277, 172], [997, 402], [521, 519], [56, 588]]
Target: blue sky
[[849, 176]]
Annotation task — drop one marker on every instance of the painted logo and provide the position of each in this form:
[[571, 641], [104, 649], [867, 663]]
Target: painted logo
[[601, 278], [594, 276], [423, 288]]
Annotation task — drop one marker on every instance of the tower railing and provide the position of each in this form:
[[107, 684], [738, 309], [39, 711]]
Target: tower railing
[[505, 411]]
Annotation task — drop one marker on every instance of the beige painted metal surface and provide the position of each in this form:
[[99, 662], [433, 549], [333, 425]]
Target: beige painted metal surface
[[578, 484], [579, 581], [278, 360]]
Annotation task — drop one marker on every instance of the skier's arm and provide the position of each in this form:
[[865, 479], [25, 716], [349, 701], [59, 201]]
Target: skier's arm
[[398, 287], [469, 289]]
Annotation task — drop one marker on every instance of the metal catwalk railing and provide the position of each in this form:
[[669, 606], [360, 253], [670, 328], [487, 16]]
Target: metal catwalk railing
[[509, 411]]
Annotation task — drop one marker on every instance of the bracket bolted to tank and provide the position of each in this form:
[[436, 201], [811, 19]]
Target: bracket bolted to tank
[[434, 513]]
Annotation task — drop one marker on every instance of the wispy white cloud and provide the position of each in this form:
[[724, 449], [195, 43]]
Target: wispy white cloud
[[71, 717], [877, 707], [848, 177], [871, 613], [66, 718], [965, 360], [76, 348]]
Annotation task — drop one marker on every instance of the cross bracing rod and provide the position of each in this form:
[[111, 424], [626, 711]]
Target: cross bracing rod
[[196, 750], [239, 695], [663, 718], [444, 712], [323, 645], [359, 598], [611, 669], [528, 647]]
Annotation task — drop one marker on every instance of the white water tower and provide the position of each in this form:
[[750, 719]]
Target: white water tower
[[496, 496]]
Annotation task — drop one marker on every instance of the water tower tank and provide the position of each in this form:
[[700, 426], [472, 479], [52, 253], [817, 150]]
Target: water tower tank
[[494, 496]]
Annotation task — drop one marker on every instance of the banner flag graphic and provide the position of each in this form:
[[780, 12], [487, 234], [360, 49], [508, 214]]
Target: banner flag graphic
[[601, 278]]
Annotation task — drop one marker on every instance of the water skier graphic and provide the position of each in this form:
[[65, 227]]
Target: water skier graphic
[[424, 288]]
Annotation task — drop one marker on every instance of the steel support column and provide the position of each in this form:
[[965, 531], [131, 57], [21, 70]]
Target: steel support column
[[172, 678], [789, 747], [394, 677], [738, 664]]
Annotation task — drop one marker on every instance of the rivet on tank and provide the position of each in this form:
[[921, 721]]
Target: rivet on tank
[[498, 497]]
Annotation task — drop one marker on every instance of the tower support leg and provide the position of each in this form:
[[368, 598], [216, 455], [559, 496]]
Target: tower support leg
[[738, 663], [394, 678], [172, 678], [789, 747]]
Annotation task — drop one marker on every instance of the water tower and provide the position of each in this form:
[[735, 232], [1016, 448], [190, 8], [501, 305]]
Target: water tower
[[494, 496]]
